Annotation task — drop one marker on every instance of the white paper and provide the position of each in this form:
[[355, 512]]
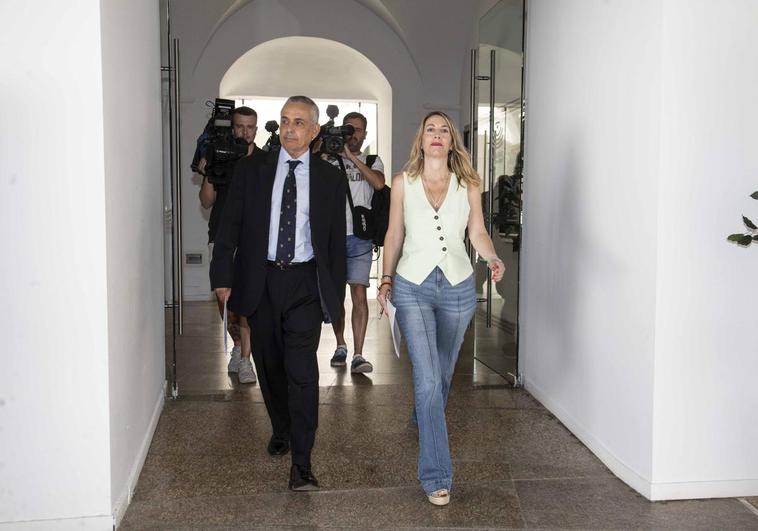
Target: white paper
[[225, 329], [394, 327]]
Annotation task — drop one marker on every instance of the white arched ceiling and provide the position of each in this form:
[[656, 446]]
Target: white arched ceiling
[[376, 6], [260, 22], [320, 68]]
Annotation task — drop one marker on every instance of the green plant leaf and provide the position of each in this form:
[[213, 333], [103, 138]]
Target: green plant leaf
[[745, 240], [750, 224], [735, 237], [754, 195]]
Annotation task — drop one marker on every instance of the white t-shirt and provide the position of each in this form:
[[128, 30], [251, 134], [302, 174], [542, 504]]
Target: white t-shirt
[[360, 188]]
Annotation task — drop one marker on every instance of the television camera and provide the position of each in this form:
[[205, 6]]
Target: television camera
[[273, 140], [333, 137], [218, 145]]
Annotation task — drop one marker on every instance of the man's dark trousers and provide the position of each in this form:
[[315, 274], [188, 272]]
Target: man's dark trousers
[[285, 308], [285, 332]]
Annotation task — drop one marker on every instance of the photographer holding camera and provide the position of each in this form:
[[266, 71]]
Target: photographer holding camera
[[365, 174], [216, 167]]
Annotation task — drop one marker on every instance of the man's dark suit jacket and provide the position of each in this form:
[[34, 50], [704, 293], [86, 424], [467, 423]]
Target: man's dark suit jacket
[[245, 226]]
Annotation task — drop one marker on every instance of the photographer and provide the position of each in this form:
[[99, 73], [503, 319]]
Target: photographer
[[365, 173], [213, 190]]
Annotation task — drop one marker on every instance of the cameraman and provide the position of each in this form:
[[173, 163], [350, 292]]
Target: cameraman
[[363, 179], [213, 196]]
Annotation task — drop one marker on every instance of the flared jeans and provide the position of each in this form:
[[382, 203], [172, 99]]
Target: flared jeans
[[433, 318]]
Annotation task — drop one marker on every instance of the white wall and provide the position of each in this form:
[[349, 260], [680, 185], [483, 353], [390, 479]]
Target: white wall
[[588, 275], [635, 310], [81, 383], [133, 198], [706, 361], [54, 432]]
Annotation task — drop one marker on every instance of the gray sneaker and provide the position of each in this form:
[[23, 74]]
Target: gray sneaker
[[246, 373], [360, 365], [340, 357], [234, 361]]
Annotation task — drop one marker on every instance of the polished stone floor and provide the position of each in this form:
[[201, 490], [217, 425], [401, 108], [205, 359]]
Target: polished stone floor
[[515, 464]]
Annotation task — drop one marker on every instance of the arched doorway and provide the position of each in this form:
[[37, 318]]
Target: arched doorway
[[325, 70], [320, 68]]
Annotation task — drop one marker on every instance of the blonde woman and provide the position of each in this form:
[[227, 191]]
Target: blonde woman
[[429, 278]]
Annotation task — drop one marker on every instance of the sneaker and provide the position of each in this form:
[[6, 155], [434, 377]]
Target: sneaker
[[234, 361], [246, 373], [360, 365], [340, 356]]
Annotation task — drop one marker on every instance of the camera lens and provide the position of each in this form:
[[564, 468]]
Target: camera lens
[[333, 144]]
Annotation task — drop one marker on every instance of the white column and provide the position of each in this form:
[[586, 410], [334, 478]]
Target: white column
[[54, 418], [81, 385], [588, 276], [134, 222], [706, 356], [637, 314]]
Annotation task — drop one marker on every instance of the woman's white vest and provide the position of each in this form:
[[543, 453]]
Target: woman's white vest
[[434, 238]]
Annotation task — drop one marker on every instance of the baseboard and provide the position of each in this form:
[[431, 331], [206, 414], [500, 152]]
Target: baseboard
[[689, 490], [125, 497], [84, 523], [618, 467]]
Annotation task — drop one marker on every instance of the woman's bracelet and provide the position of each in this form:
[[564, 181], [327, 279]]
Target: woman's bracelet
[[385, 284], [387, 276]]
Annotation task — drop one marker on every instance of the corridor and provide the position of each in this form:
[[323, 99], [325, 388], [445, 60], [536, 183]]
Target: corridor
[[515, 464]]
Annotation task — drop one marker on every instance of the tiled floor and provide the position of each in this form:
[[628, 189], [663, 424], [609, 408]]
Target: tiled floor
[[515, 465]]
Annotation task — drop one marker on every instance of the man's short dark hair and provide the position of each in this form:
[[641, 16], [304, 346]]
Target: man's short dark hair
[[245, 111], [355, 115]]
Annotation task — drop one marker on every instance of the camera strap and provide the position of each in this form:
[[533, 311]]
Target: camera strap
[[370, 159], [344, 172]]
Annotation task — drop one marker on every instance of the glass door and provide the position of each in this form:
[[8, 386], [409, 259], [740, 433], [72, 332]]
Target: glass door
[[496, 142], [172, 192]]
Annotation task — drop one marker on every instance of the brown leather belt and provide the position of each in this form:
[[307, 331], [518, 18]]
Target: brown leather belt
[[286, 267]]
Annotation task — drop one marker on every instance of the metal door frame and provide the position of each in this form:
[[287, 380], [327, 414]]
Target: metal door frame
[[515, 379]]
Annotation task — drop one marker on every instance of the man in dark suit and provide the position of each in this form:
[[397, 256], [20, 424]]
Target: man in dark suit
[[285, 216]]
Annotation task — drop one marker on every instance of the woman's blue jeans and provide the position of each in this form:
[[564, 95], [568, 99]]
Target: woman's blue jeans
[[433, 318]]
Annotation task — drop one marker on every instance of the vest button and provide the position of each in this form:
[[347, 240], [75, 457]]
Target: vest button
[[436, 217], [442, 238], [444, 248], [439, 228]]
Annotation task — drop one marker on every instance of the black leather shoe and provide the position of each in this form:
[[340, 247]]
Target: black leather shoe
[[302, 479], [278, 446]]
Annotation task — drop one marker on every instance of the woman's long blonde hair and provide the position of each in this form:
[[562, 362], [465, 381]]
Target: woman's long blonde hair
[[458, 160]]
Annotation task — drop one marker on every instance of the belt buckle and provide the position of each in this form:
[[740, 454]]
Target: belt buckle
[[281, 266]]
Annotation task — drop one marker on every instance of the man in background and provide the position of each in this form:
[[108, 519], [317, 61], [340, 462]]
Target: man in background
[[213, 196], [365, 173]]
